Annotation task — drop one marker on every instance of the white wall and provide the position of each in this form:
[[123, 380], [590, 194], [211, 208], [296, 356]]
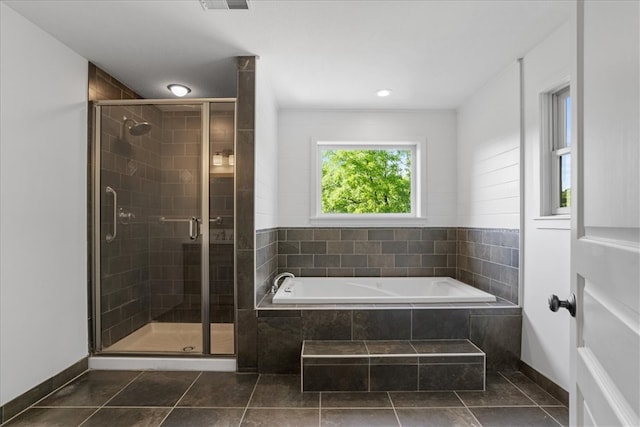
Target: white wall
[[266, 152], [545, 335], [43, 249], [489, 154], [299, 128]]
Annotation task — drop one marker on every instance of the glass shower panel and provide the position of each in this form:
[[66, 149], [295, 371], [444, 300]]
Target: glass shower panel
[[221, 226], [150, 215]]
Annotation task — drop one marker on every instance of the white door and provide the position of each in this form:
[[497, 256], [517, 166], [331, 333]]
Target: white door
[[605, 355]]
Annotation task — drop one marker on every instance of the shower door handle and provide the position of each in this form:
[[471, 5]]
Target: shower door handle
[[111, 236], [194, 228]]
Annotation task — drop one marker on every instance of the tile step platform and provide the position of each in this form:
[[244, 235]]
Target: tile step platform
[[421, 365]]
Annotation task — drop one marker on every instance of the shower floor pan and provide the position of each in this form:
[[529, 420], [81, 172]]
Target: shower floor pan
[[183, 338]]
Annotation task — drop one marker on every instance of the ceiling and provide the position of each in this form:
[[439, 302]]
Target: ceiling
[[315, 54]]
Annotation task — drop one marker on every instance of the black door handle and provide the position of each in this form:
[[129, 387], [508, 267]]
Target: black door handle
[[555, 303]]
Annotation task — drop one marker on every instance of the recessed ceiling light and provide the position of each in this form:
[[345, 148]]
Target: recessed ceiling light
[[383, 92], [178, 90], [225, 4]]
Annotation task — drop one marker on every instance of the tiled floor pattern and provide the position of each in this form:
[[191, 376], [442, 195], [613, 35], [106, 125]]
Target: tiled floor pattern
[[183, 399]]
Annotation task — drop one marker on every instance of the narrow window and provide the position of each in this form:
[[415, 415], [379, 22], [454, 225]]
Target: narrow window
[[556, 152], [561, 151], [366, 179]]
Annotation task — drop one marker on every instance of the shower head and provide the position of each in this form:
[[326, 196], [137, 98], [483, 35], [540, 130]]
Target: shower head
[[134, 128], [140, 128]]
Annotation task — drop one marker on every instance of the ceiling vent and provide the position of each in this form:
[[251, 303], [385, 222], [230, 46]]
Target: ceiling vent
[[225, 4]]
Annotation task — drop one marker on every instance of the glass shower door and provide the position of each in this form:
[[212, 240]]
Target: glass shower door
[[150, 187], [221, 226]]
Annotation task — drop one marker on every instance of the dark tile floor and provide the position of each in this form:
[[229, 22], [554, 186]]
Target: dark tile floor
[[183, 399]]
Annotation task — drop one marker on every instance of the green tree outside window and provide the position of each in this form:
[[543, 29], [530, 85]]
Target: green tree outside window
[[366, 181]]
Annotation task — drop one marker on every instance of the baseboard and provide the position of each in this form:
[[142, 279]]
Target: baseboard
[[162, 363], [28, 398], [545, 383]]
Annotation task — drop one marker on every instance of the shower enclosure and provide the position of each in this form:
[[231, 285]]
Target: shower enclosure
[[163, 226]]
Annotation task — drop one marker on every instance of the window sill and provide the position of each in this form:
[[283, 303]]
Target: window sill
[[367, 222], [553, 222]]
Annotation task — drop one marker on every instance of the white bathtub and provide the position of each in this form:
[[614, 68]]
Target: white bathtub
[[368, 290]]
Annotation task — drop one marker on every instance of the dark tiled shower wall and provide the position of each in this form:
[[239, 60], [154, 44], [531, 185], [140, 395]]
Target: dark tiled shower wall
[[175, 280], [484, 258], [101, 86], [176, 291], [131, 166], [185, 304], [222, 205]]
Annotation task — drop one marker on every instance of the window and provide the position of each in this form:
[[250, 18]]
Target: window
[[366, 180], [556, 157]]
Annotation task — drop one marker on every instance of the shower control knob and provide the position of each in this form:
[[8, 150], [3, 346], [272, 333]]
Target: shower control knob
[[555, 304], [125, 216]]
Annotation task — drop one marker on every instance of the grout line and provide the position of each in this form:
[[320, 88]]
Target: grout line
[[320, 409], [351, 324], [411, 325], [519, 389], [503, 406], [149, 407], [112, 397], [467, 408], [538, 386], [250, 398], [57, 389], [536, 403], [353, 407], [552, 417], [394, 409], [181, 397], [34, 405]]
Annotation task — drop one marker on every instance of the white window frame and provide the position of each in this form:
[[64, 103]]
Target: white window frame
[[418, 184], [552, 132]]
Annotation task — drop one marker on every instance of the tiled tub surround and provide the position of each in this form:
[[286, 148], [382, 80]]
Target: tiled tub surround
[[483, 258], [496, 330], [348, 252], [266, 260], [425, 365], [367, 251], [489, 260]]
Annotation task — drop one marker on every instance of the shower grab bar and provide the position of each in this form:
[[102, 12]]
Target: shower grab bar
[[217, 220], [163, 219], [194, 225], [194, 228], [111, 236]]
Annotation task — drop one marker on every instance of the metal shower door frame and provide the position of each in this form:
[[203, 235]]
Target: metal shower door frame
[[204, 210]]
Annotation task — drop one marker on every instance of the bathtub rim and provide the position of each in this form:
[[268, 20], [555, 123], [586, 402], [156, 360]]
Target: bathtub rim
[[502, 305], [478, 294]]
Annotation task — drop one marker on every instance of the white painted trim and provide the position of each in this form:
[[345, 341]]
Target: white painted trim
[[522, 185], [553, 222], [162, 363], [418, 147]]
